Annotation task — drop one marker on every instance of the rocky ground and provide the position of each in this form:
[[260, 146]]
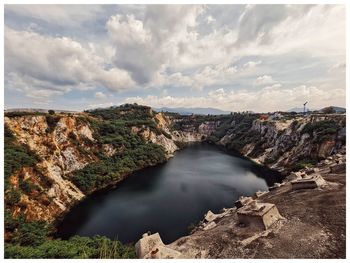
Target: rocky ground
[[313, 223]]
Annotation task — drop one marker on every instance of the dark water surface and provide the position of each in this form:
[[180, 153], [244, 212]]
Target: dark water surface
[[169, 197]]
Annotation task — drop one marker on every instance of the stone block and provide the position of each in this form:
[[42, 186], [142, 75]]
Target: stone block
[[314, 181], [210, 216], [147, 243], [304, 184], [258, 216]]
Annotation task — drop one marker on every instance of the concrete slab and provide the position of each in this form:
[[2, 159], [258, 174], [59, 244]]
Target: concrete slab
[[259, 194], [258, 215], [210, 226], [304, 184], [311, 182], [147, 243], [163, 252]]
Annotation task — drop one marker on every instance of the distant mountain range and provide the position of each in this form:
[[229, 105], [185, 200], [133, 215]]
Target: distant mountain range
[[189, 111], [337, 109], [299, 110]]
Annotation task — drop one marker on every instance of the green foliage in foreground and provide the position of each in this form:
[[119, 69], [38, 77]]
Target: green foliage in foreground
[[30, 239], [75, 247]]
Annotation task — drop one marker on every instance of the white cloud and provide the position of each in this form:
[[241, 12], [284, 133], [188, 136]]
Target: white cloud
[[251, 64], [210, 20], [100, 95], [56, 64], [153, 46], [264, 79], [126, 30], [143, 47], [65, 15]]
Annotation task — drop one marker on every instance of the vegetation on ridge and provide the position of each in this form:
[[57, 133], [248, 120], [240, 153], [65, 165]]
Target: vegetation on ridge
[[132, 152]]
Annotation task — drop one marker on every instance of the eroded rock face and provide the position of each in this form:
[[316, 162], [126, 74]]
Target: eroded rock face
[[282, 142], [59, 156]]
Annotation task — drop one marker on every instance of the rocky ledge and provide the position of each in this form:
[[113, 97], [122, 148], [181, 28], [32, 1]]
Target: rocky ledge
[[303, 217]]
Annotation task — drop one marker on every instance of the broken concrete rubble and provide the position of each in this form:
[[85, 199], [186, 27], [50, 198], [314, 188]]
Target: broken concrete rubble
[[242, 201], [258, 215], [152, 246], [259, 194]]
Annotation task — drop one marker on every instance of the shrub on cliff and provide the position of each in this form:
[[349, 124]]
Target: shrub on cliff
[[51, 122], [322, 130], [16, 155], [108, 169]]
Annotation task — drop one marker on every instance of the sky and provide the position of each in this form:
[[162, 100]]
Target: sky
[[231, 57]]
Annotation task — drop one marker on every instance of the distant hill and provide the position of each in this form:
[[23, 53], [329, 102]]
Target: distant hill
[[335, 108], [298, 110], [189, 111]]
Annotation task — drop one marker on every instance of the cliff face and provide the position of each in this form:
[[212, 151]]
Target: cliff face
[[287, 143], [58, 156]]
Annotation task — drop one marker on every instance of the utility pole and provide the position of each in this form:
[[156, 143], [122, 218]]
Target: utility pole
[[305, 107]]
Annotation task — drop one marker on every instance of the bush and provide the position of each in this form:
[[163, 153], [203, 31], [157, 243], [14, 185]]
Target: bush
[[303, 163], [322, 130], [51, 123], [75, 247], [16, 155], [12, 196], [30, 233]]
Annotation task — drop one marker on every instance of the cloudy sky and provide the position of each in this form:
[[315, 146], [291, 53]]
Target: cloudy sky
[[238, 57]]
